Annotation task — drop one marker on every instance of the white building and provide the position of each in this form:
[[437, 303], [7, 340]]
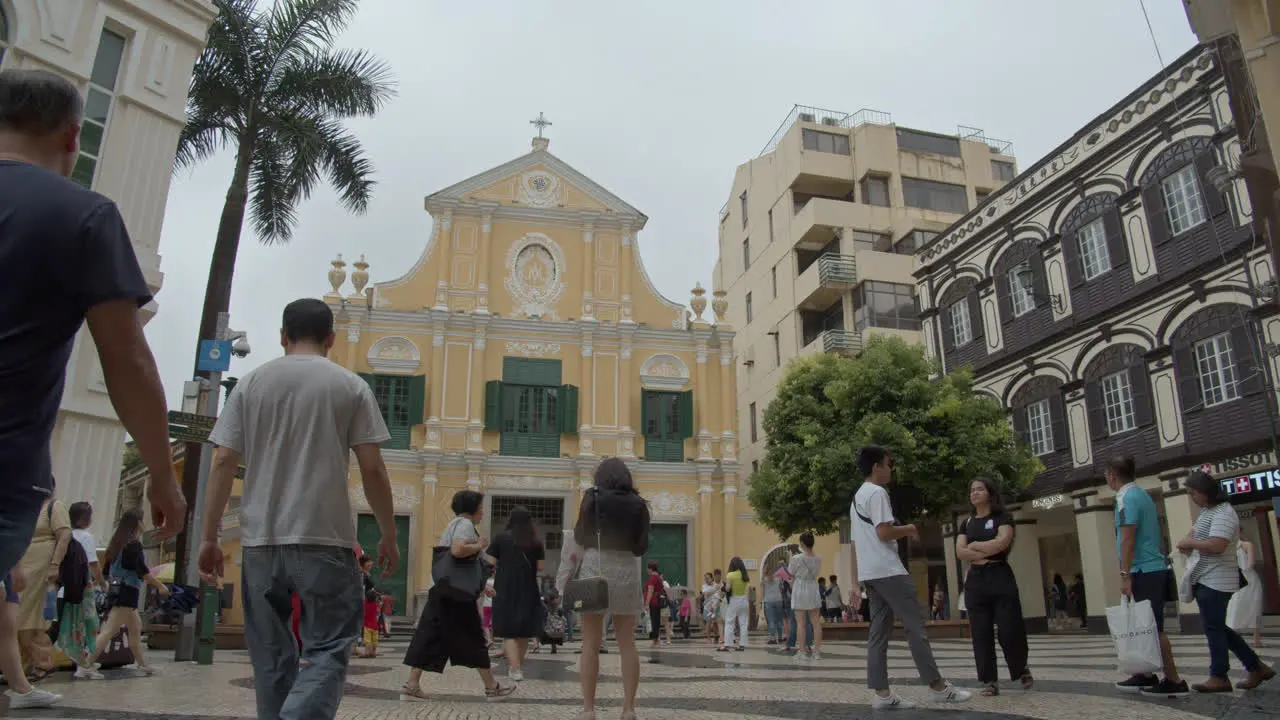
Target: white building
[[132, 60]]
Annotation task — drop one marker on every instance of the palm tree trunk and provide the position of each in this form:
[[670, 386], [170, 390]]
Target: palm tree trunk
[[217, 300]]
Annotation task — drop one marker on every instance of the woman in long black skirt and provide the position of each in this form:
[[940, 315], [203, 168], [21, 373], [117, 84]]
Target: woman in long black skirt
[[450, 631], [517, 607]]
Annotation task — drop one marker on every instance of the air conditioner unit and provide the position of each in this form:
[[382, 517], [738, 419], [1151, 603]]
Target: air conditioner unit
[[806, 117], [831, 121]]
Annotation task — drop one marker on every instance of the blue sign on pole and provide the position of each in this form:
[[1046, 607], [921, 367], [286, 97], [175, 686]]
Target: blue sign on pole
[[215, 355]]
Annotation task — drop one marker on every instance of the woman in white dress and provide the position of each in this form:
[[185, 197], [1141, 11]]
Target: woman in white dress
[[1244, 612], [806, 601]]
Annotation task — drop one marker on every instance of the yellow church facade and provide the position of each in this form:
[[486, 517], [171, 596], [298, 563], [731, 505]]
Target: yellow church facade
[[526, 344]]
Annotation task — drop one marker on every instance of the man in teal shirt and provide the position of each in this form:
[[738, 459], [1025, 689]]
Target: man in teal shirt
[[1143, 572]]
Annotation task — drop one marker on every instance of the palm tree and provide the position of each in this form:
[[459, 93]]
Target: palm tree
[[270, 85]]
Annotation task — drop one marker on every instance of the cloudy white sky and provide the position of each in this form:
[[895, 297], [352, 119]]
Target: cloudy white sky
[[658, 101]]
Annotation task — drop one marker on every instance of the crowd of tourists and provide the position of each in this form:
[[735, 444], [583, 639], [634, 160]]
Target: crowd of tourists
[[294, 422]]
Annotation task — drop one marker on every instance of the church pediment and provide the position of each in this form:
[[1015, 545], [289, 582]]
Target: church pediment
[[538, 180]]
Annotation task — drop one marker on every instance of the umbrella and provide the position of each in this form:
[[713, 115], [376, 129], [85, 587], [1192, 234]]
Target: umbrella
[[163, 573]]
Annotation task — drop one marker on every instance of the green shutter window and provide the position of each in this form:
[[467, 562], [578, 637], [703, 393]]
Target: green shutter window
[[418, 400], [685, 404], [646, 400], [568, 409], [393, 396], [493, 405]]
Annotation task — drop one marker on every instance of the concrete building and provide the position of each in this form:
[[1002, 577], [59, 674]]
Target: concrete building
[[132, 60], [1113, 298]]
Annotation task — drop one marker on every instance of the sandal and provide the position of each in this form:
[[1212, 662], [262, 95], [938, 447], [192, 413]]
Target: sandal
[[1027, 681], [991, 690], [36, 676], [408, 692], [722, 649]]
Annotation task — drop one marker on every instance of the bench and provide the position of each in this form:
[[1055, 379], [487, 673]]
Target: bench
[[857, 631]]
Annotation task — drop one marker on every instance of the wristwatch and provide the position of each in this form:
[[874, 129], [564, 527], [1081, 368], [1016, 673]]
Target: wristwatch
[[1124, 573]]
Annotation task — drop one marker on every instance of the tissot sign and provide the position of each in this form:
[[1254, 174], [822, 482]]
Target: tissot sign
[[1262, 483]]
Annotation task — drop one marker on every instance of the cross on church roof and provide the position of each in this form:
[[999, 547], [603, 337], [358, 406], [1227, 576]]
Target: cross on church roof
[[540, 122]]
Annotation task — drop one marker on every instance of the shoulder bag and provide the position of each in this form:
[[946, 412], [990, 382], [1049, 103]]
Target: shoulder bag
[[456, 578], [591, 593]]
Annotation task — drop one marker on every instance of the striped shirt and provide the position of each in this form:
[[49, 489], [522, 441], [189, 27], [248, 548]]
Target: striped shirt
[[1219, 572]]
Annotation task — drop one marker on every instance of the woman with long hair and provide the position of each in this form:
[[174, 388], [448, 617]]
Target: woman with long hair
[[517, 605], [127, 572], [736, 584], [610, 537], [806, 598], [990, 589], [449, 631], [1060, 597], [78, 621], [1214, 576]]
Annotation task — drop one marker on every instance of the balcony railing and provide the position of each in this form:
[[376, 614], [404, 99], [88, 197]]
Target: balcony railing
[[822, 116], [841, 341], [999, 147], [837, 270]]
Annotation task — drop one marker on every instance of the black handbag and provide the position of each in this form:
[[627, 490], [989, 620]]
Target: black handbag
[[589, 594], [454, 577]]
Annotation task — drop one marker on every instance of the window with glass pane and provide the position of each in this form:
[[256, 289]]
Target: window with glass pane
[[1002, 171], [913, 241], [1216, 363], [927, 142], [773, 279], [885, 305], [748, 307], [1021, 297], [961, 328], [980, 195], [392, 394], [743, 199], [1095, 258], [751, 412], [1117, 401], [662, 439], [97, 105], [875, 190], [863, 240], [1182, 200], [529, 423], [826, 142], [746, 253], [1039, 427], [777, 349], [930, 195]]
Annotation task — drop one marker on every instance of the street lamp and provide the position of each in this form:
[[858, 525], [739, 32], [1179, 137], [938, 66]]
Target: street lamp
[[1026, 278]]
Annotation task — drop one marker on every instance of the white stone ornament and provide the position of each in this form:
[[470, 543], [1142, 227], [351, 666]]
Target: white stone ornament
[[673, 505], [539, 189], [532, 349], [535, 275], [664, 371]]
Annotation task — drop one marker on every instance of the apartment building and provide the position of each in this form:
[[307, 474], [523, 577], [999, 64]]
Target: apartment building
[[1118, 299], [818, 236]]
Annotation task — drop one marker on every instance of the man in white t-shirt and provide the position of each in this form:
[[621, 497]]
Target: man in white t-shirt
[[888, 585], [295, 422]]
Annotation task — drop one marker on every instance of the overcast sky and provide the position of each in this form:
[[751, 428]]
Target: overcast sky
[[658, 101]]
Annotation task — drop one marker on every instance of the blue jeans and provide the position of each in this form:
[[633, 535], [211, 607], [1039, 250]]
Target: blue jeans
[[568, 624], [18, 515], [1213, 616], [791, 634], [328, 582], [774, 615]]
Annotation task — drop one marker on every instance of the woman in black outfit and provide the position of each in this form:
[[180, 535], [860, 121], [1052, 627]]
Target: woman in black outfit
[[128, 573], [990, 590], [517, 609], [450, 630]]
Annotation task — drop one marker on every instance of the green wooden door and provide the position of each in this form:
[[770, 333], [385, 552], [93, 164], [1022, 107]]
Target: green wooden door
[[397, 583], [669, 545], [530, 424]]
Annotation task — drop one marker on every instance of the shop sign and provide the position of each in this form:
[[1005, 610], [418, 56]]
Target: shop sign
[[1048, 502], [1254, 486], [1239, 464]]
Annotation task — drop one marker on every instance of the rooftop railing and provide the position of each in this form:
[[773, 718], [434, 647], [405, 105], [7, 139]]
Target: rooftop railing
[[824, 116]]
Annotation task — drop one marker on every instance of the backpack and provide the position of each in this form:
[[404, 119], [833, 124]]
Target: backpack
[[663, 600], [73, 573]]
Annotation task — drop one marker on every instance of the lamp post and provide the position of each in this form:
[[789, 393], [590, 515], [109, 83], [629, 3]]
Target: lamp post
[[1027, 280]]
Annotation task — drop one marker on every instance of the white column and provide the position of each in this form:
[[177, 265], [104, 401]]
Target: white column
[[1099, 561], [1024, 559]]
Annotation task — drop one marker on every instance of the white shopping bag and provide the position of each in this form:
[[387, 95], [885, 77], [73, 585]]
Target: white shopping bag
[[1133, 628]]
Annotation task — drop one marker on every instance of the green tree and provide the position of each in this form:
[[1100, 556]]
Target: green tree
[[941, 434], [271, 87]]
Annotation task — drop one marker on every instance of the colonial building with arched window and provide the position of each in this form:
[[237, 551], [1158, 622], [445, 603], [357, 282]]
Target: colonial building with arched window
[[1118, 300]]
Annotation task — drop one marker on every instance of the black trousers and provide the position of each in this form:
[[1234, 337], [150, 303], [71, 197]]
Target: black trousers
[[991, 598], [655, 622]]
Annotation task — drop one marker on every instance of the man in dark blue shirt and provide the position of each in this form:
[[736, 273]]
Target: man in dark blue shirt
[[68, 259]]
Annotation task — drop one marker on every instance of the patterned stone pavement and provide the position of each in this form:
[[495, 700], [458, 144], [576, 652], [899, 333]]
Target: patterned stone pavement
[[1074, 676]]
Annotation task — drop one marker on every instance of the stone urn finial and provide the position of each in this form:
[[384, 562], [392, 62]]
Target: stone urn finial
[[360, 276], [698, 303], [338, 274], [719, 305]]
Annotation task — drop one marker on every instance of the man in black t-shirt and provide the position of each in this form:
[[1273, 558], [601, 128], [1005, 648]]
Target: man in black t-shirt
[[69, 259]]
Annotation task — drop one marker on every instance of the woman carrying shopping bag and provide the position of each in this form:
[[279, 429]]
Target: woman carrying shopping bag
[[1214, 577]]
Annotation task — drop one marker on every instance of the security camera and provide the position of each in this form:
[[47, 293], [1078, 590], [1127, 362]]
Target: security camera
[[240, 348]]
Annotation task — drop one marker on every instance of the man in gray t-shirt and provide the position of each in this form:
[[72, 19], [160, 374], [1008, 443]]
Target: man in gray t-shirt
[[294, 422]]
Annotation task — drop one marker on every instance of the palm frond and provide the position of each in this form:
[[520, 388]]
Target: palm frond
[[272, 211], [341, 83], [349, 170], [298, 27], [202, 136]]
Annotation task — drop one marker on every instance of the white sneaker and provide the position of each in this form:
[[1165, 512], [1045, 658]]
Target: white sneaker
[[34, 698], [816, 657], [951, 694], [88, 672], [893, 701], [800, 658], [515, 675], [147, 670]]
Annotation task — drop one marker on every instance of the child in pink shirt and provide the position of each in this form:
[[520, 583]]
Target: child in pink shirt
[[686, 612]]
